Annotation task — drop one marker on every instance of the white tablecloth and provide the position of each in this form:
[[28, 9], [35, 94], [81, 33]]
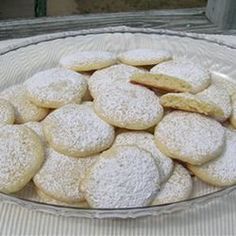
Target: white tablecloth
[[216, 218]]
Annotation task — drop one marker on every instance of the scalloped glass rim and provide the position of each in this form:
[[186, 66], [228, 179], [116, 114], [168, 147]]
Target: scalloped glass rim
[[119, 212]]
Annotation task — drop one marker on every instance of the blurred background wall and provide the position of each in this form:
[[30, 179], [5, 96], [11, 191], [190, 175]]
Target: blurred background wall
[[25, 8]]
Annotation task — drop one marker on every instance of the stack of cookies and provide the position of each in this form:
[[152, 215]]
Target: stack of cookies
[[117, 131]]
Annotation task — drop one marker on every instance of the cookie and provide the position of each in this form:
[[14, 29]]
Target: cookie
[[37, 127], [190, 137], [75, 130], [146, 141], [129, 106], [25, 110], [233, 114], [220, 98], [7, 113], [88, 60], [177, 188], [221, 171], [55, 87], [60, 175], [180, 75], [144, 56], [106, 78], [21, 157], [49, 200], [123, 176], [213, 101]]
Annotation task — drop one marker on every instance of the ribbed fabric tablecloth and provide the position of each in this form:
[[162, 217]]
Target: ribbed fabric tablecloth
[[216, 218]]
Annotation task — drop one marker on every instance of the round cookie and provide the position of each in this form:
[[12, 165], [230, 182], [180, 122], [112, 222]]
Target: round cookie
[[181, 75], [55, 87], [49, 200], [123, 176], [144, 56], [146, 141], [60, 176], [76, 130], [88, 60], [37, 127], [220, 98], [213, 101], [24, 109], [190, 137], [7, 113], [106, 78], [177, 188], [221, 171], [21, 157], [129, 106], [190, 102]]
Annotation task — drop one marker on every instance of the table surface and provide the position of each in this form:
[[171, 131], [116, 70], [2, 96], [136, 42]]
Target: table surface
[[215, 218], [190, 20]]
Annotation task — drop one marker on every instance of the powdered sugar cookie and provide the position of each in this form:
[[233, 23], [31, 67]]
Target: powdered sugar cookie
[[233, 114], [60, 176], [37, 127], [106, 78], [181, 76], [123, 176], [190, 137], [55, 87], [177, 188], [146, 141], [129, 106], [220, 98], [21, 156], [144, 56], [24, 109], [76, 130], [160, 83], [88, 60], [213, 101], [47, 199], [7, 113], [221, 171]]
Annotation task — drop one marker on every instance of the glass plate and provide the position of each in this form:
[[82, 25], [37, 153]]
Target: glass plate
[[20, 61]]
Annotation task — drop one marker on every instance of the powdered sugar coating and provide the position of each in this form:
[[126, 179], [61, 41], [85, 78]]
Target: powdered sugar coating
[[221, 171], [190, 137], [7, 113], [37, 127], [21, 157], [88, 60], [24, 109], [123, 176], [146, 141], [197, 76], [60, 175], [77, 131], [220, 98], [144, 56], [108, 77], [129, 106], [177, 188], [55, 87]]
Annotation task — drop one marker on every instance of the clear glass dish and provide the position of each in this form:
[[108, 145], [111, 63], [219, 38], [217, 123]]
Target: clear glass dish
[[19, 61]]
